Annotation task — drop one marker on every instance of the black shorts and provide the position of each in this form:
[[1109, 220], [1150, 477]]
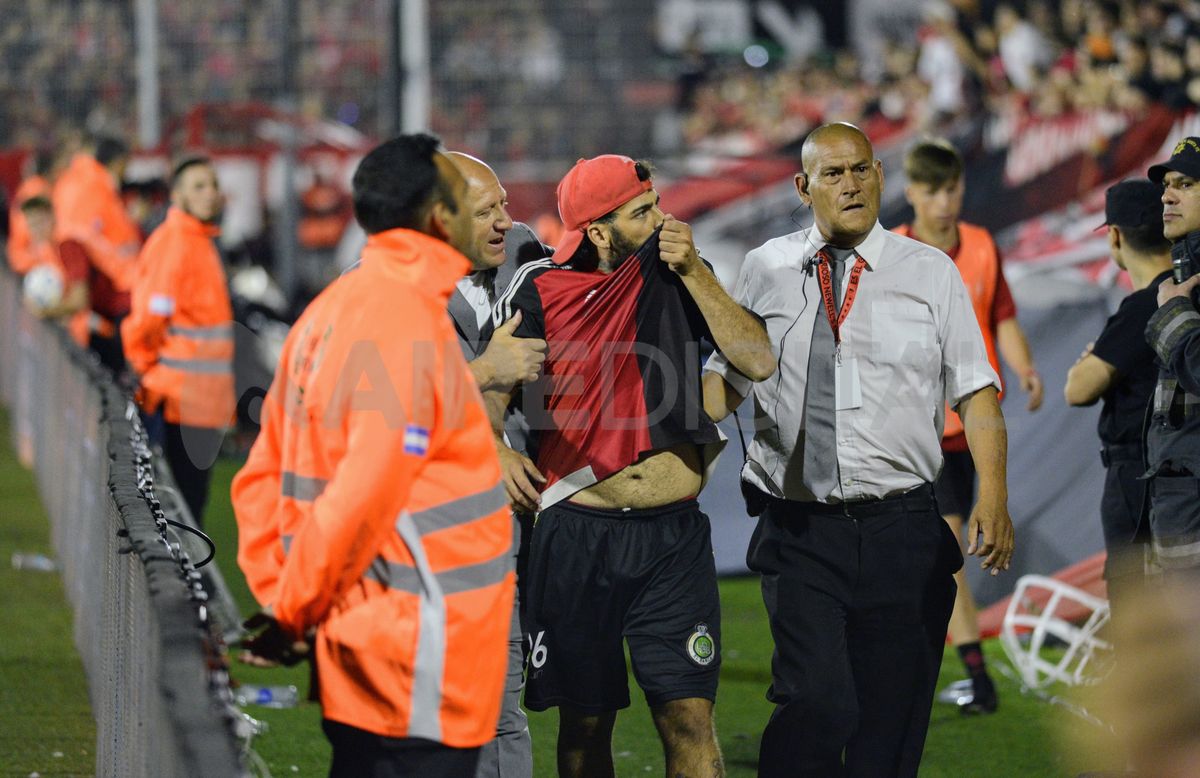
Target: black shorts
[[955, 487], [598, 578]]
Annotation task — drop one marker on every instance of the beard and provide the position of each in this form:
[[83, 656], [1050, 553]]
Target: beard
[[622, 245]]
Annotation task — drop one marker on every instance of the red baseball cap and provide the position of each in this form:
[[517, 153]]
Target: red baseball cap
[[591, 189]]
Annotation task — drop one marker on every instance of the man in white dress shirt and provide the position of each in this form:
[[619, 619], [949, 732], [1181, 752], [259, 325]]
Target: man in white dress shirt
[[875, 335]]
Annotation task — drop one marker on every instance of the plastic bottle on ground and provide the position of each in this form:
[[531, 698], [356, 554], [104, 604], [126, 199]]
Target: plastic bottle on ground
[[266, 696], [40, 562]]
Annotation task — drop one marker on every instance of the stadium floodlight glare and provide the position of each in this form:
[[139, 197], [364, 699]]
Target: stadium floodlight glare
[[1086, 658]]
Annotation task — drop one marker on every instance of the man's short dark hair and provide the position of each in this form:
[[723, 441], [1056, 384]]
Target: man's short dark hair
[[933, 162], [185, 164], [397, 182], [36, 203], [109, 149], [1145, 238]]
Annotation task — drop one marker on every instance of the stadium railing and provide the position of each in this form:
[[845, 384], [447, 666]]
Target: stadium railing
[[158, 690]]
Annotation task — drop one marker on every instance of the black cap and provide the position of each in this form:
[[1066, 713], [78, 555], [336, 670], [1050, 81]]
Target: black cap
[[1184, 159], [1135, 202]]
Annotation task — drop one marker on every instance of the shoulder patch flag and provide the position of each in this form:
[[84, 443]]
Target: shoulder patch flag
[[416, 440], [162, 305]]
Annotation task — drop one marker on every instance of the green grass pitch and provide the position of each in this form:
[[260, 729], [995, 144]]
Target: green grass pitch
[[45, 726]]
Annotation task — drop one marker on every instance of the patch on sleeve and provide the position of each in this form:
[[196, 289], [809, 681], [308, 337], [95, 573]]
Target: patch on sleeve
[[416, 440], [162, 305]]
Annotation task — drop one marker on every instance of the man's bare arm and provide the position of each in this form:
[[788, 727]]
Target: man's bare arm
[[720, 399], [519, 471], [987, 439], [739, 334], [1088, 379], [1014, 348]]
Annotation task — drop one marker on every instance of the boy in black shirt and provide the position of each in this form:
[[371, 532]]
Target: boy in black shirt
[[1119, 369]]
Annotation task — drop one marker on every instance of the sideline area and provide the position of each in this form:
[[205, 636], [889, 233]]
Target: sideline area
[[46, 724], [1016, 741]]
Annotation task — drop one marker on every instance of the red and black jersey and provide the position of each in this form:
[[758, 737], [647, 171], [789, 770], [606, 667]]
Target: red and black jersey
[[622, 370]]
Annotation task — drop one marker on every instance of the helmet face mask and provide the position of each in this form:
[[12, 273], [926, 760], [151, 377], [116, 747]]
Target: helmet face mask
[[1045, 614]]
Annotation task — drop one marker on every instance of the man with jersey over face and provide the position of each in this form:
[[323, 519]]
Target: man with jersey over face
[[621, 552]]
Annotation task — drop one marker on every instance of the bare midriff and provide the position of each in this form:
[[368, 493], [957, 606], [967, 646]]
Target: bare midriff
[[665, 476]]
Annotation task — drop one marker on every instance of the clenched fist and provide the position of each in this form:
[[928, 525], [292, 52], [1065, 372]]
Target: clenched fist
[[676, 247]]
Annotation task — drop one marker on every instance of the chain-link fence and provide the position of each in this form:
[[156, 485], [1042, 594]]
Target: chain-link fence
[[160, 697]]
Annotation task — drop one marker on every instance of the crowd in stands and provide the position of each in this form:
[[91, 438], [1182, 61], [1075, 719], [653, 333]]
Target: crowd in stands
[[498, 70], [73, 63], [535, 80], [1011, 61]]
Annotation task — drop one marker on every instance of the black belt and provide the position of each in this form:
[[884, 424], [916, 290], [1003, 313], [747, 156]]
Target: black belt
[[1122, 452], [918, 499]]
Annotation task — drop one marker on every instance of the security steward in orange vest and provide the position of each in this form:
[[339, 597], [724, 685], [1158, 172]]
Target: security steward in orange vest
[[178, 338], [935, 191], [88, 209], [371, 507]]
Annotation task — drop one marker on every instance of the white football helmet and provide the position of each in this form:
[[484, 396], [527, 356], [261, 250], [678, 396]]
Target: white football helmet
[[1044, 609]]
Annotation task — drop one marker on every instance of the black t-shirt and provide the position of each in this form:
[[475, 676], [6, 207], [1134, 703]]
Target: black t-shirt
[[1123, 345]]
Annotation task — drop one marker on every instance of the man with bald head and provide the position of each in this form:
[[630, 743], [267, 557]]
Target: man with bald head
[[876, 336], [496, 247]]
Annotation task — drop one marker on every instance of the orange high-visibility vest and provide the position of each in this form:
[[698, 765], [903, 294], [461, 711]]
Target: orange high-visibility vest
[[21, 257], [979, 265], [88, 208], [179, 333], [371, 505]]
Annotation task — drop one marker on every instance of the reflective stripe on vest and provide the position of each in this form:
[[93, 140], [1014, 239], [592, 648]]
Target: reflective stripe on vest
[[203, 366], [431, 589], [405, 578], [461, 511], [451, 514], [400, 576], [300, 487], [430, 661], [1180, 551], [217, 332]]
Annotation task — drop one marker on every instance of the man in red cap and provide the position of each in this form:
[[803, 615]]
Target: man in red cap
[[621, 552]]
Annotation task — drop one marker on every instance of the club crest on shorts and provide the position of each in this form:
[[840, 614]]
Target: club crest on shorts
[[701, 647]]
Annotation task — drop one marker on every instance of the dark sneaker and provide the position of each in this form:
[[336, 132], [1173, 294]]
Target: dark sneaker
[[982, 700], [956, 692]]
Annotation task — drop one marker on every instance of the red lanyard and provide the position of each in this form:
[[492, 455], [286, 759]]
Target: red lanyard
[[826, 278]]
